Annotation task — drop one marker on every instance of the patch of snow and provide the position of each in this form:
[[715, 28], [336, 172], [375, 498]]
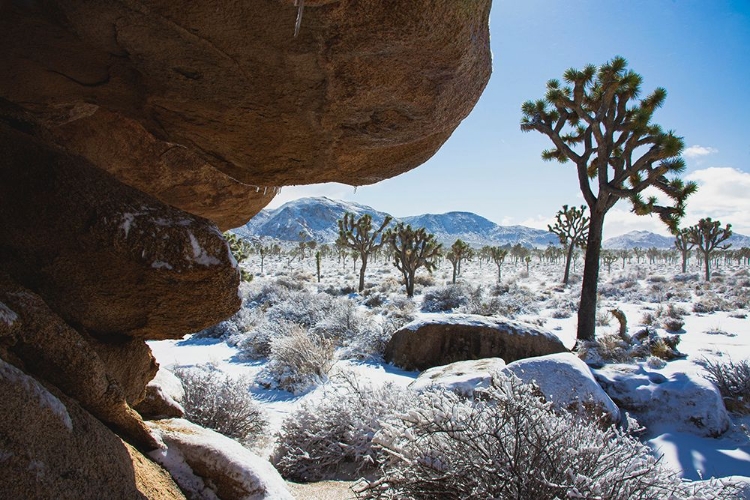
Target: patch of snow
[[200, 256], [37, 391], [211, 451], [462, 377], [127, 221], [7, 315], [158, 264]]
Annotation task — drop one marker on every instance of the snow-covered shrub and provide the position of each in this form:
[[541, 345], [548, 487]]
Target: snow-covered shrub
[[673, 324], [298, 361], [444, 298], [517, 300], [710, 302], [732, 378], [424, 280], [655, 362], [398, 312], [685, 277], [511, 444], [256, 343], [353, 328], [303, 308], [219, 402], [603, 318], [239, 324], [332, 436]]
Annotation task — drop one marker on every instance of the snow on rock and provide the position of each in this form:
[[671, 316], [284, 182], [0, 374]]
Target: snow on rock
[[567, 382], [685, 401], [208, 465], [7, 315], [163, 396], [441, 339], [461, 377], [34, 389]]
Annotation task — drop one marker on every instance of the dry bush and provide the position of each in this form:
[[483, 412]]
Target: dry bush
[[331, 438], [221, 403], [444, 298], [511, 444], [733, 380], [298, 361]]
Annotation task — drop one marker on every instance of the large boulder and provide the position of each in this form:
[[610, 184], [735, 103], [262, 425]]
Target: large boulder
[[567, 382], [103, 255], [445, 339], [163, 398], [208, 465], [462, 377], [684, 401], [210, 107], [50, 447]]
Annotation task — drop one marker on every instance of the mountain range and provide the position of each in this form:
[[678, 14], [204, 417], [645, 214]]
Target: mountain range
[[316, 219]]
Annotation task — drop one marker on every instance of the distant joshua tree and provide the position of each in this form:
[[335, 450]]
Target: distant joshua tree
[[684, 245], [618, 153], [360, 237], [412, 249], [460, 251], [572, 228], [498, 255], [608, 257], [708, 235]]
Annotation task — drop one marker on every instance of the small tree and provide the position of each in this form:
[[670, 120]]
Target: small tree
[[608, 257], [624, 254], [638, 252], [572, 228], [617, 151], [498, 255], [412, 249], [460, 251], [708, 235], [684, 245], [360, 237]]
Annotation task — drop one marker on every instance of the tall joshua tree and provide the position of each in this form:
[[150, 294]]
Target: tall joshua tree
[[412, 249], [572, 228], [595, 122], [360, 237], [708, 235], [460, 251], [498, 255], [684, 245]]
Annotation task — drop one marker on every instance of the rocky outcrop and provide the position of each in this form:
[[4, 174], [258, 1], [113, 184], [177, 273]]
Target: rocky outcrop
[[104, 256], [208, 465], [449, 338], [567, 382], [210, 107], [50, 447], [164, 395]]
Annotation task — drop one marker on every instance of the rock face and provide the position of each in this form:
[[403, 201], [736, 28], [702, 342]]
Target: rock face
[[567, 382], [687, 402], [163, 398], [217, 104], [131, 134], [67, 453], [458, 337], [208, 465]]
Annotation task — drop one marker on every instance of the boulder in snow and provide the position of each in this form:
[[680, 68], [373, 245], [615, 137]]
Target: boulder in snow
[[208, 465], [567, 383], [461, 377], [447, 338], [683, 400], [163, 396]]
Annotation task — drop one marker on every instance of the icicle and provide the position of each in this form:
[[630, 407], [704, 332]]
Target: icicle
[[300, 6], [257, 189], [264, 190], [355, 189]]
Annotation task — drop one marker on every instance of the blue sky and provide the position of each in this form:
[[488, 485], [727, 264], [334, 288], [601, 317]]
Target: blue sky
[[699, 50]]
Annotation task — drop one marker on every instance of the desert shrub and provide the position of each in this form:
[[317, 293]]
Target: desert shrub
[[648, 318], [684, 278], [354, 329], [511, 444], [710, 302], [655, 362], [561, 313], [397, 313], [331, 438], [517, 300], [256, 343], [424, 280], [672, 324], [219, 402], [298, 361], [444, 298], [239, 324], [603, 318], [656, 279], [732, 378], [302, 307], [610, 291]]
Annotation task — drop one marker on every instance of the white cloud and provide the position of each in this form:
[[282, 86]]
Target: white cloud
[[538, 221], [620, 221], [697, 151], [723, 194]]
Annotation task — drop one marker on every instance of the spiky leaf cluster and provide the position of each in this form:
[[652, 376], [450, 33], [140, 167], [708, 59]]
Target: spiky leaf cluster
[[708, 235], [595, 120], [571, 226], [358, 234]]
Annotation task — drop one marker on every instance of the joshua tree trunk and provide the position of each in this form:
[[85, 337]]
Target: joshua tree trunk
[[587, 309], [568, 258], [363, 257]]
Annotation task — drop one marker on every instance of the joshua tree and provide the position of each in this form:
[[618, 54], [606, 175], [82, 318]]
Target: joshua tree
[[617, 151], [684, 245], [652, 253], [608, 257], [412, 249], [638, 252], [317, 264], [624, 254], [498, 255], [459, 252], [708, 235], [239, 247], [572, 228], [263, 251], [360, 237]]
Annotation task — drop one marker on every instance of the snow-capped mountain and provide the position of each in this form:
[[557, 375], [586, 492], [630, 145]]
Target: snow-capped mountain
[[306, 218], [640, 239], [316, 218]]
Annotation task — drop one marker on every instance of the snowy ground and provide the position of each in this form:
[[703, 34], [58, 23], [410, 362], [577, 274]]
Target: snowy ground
[[720, 334]]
